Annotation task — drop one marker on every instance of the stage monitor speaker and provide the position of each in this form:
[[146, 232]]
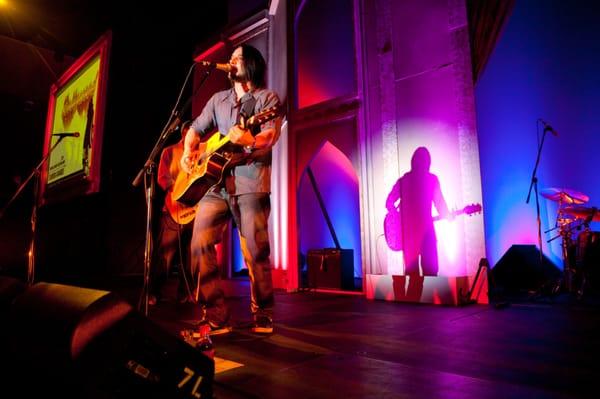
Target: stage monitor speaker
[[10, 288], [80, 342], [520, 269], [331, 268]]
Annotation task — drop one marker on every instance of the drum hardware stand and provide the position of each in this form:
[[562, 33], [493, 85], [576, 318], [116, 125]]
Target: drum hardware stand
[[565, 232], [570, 217]]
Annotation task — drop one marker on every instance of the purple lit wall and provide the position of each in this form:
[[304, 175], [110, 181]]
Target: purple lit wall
[[326, 136], [420, 94], [326, 61], [367, 100], [546, 66]]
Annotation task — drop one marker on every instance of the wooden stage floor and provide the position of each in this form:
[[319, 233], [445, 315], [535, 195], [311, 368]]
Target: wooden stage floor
[[344, 346]]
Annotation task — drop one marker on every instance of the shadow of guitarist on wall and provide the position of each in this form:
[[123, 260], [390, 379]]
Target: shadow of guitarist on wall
[[409, 224]]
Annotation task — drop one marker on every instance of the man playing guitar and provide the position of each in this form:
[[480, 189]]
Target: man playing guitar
[[242, 194]]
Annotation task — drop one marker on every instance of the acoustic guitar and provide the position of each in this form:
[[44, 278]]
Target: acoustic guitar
[[180, 213], [392, 224], [210, 161]]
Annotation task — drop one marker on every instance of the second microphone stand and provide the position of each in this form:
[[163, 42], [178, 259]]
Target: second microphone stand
[[534, 185], [34, 174]]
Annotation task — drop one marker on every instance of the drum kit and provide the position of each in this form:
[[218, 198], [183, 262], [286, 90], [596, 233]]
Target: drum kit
[[580, 254]]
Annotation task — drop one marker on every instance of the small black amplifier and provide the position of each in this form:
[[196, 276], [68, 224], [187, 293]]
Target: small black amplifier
[[331, 268]]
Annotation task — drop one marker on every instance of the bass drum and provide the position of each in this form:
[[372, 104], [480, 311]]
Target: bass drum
[[588, 258]]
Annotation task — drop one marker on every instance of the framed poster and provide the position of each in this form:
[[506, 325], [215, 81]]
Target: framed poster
[[74, 126]]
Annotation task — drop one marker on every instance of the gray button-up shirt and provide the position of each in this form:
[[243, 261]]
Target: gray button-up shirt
[[222, 111]]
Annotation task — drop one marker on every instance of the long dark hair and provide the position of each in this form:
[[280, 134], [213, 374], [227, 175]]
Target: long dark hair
[[421, 160], [256, 66]]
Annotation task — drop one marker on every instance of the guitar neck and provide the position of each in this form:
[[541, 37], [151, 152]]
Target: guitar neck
[[453, 213], [468, 210], [213, 144], [220, 143], [217, 140]]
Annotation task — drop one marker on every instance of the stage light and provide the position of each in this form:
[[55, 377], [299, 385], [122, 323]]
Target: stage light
[[10, 13], [4, 4]]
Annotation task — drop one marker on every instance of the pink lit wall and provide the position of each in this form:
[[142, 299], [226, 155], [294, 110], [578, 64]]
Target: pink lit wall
[[326, 61], [420, 94]]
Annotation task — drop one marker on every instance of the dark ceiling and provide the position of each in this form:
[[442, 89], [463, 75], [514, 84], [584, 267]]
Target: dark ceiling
[[70, 26], [153, 47], [65, 26]]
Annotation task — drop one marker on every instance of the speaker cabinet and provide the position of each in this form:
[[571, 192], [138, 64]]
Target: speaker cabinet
[[79, 342], [331, 268], [520, 269], [10, 288]]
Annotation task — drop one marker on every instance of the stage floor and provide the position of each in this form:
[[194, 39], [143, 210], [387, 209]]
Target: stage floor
[[345, 346]]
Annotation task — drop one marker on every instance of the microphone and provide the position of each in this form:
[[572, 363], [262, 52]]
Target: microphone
[[222, 67], [75, 134], [548, 127]]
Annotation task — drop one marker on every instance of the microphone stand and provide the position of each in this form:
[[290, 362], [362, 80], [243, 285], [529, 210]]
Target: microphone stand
[[147, 174], [533, 184], [35, 173]]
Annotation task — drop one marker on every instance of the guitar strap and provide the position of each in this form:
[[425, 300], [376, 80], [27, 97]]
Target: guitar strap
[[247, 109]]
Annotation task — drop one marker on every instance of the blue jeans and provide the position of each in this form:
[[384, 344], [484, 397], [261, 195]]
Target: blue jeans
[[250, 213]]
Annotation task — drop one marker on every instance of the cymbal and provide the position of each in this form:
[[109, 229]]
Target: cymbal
[[583, 212], [564, 195]]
